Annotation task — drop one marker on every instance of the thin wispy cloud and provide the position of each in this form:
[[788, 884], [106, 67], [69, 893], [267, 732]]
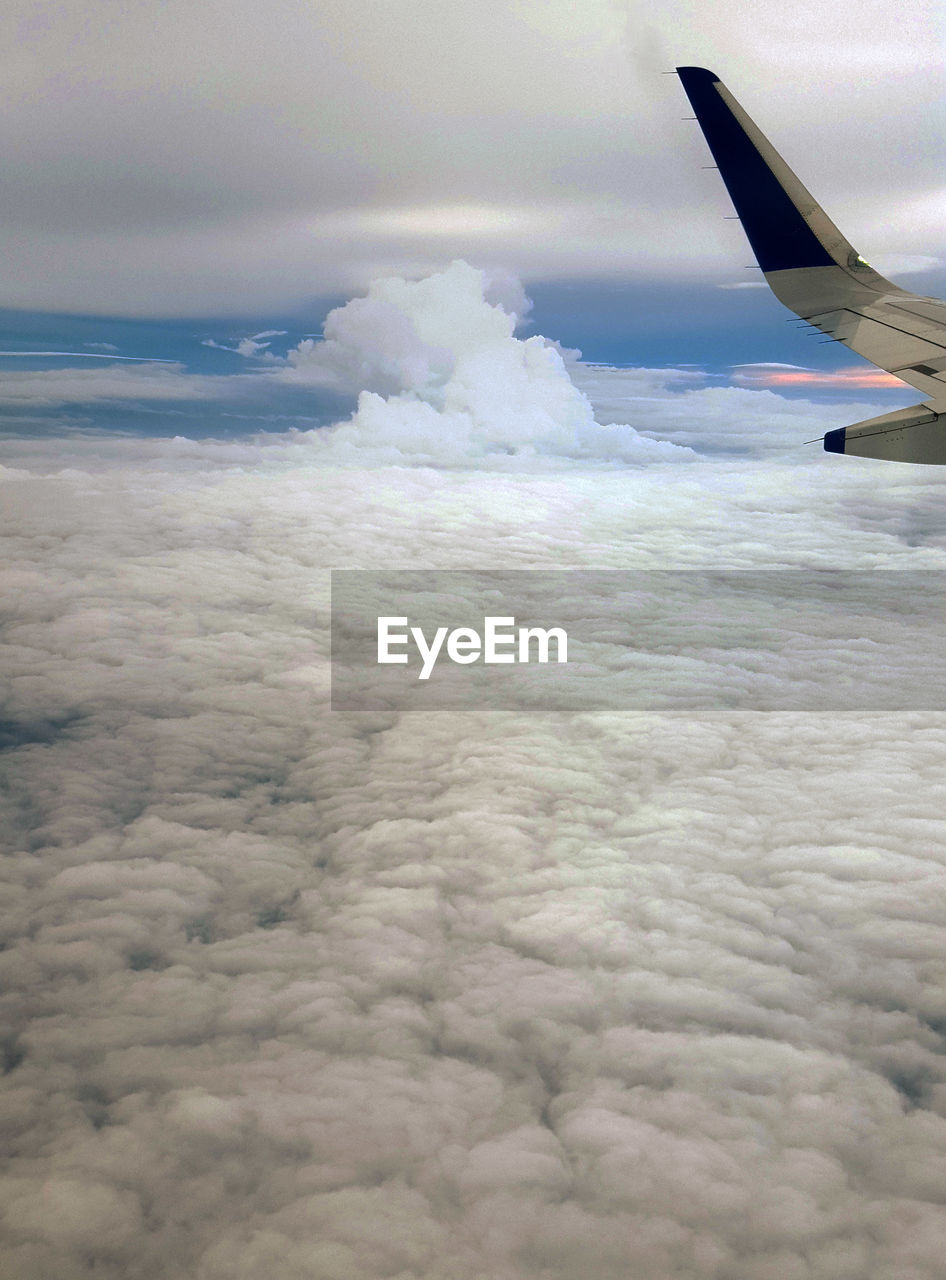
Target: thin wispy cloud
[[855, 378], [88, 355]]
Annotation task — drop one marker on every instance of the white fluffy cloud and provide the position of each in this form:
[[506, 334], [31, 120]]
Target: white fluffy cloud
[[442, 377], [344, 997]]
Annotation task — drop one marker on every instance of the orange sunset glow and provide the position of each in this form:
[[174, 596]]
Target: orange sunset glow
[[779, 376]]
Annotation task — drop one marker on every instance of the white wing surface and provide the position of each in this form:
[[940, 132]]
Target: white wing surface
[[812, 269]]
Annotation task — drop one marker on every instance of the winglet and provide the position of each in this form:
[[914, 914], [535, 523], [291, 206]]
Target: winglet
[[776, 211], [915, 434]]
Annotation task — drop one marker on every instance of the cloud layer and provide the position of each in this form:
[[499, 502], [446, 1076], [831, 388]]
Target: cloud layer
[[428, 997], [160, 163]]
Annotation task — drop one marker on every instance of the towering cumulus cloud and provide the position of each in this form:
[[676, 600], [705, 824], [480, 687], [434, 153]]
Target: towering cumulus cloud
[[437, 996], [443, 378]]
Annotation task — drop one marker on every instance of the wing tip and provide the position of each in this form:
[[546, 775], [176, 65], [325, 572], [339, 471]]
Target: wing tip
[[696, 74], [834, 440]]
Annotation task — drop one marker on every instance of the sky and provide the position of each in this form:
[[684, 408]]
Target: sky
[[164, 161], [413, 993], [229, 171]]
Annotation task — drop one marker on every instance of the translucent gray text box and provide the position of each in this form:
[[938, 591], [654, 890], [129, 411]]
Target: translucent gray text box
[[768, 640]]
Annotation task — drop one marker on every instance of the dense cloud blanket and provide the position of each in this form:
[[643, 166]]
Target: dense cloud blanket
[[325, 996]]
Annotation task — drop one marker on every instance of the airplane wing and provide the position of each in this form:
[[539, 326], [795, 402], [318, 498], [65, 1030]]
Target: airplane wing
[[815, 272]]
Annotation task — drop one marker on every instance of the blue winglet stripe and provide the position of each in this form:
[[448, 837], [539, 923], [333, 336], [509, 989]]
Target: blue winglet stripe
[[780, 237]]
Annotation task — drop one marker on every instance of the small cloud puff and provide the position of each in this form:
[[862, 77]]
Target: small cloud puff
[[250, 348]]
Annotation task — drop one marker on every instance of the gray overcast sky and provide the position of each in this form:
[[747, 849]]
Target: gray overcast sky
[[179, 159]]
